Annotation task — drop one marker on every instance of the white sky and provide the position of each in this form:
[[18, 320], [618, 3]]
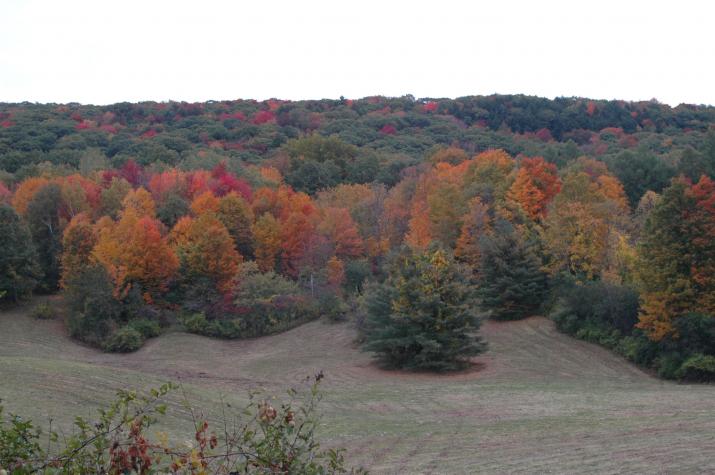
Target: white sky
[[100, 52]]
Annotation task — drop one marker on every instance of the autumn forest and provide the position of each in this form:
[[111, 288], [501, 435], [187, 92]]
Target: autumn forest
[[413, 220]]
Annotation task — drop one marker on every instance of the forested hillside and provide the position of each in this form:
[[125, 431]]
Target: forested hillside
[[242, 218]]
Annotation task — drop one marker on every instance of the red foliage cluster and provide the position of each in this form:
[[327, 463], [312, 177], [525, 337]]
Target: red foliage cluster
[[544, 135], [110, 129], [236, 115], [148, 134], [263, 117], [388, 129], [590, 108], [430, 106]]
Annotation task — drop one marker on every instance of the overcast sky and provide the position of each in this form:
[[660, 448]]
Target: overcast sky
[[102, 52]]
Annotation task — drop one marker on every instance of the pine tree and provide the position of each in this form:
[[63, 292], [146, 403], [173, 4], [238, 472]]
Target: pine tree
[[423, 316], [513, 283]]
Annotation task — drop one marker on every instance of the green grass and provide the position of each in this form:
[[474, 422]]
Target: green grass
[[542, 402]]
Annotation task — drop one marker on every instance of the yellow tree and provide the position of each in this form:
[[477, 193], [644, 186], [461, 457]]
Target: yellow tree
[[206, 202], [140, 202], [336, 272], [585, 224], [267, 241], [206, 249], [79, 239], [236, 214]]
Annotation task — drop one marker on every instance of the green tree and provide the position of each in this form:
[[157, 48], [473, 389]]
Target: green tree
[[694, 163], [423, 316], [641, 172], [173, 208], [513, 283], [94, 312], [19, 271], [43, 219]]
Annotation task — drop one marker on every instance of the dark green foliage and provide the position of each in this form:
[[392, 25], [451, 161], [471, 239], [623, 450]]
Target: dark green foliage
[[43, 218], [423, 316], [698, 367], [696, 332], [604, 314], [173, 208], [694, 163], [356, 273], [512, 282], [147, 328], [43, 311], [332, 307], [319, 162], [93, 310], [264, 303], [640, 172], [124, 340], [268, 302], [98, 317], [312, 176], [598, 304], [19, 271]]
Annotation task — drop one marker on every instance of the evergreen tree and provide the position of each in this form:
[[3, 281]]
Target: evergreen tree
[[19, 270], [513, 283], [423, 316]]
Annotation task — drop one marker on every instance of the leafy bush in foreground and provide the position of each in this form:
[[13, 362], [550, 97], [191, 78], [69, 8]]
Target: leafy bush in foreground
[[267, 436]]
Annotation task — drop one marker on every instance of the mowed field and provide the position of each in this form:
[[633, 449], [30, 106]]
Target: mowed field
[[537, 402]]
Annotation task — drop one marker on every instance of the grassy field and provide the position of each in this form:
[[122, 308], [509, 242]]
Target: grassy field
[[537, 402]]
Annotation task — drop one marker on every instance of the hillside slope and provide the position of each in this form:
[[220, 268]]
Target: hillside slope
[[538, 401]]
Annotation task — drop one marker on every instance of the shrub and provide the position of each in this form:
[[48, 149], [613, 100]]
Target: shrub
[[196, 323], [43, 311], [332, 307], [668, 365], [646, 350], [597, 303], [265, 302], [146, 328], [228, 328], [124, 340], [698, 367], [696, 333]]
